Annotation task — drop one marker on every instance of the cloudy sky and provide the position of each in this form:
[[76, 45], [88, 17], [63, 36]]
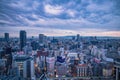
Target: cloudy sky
[[60, 17]]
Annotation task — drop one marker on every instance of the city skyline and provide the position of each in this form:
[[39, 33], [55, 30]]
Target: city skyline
[[60, 17]]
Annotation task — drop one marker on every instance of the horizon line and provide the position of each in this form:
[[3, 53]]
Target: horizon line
[[62, 36]]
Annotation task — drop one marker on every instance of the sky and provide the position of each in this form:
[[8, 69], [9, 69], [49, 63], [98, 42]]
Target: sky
[[60, 17]]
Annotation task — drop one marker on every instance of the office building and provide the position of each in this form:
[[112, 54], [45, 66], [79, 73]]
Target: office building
[[82, 70], [78, 37], [41, 38], [6, 37], [50, 65], [25, 65], [22, 39]]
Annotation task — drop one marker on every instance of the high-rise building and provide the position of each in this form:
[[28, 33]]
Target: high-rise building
[[41, 38], [78, 37], [6, 37], [22, 39], [50, 65], [25, 65]]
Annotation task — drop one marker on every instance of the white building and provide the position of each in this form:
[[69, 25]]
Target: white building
[[81, 55], [50, 64], [25, 66], [71, 55], [82, 70], [62, 51]]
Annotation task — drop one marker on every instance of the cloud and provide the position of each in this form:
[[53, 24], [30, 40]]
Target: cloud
[[61, 17], [97, 6], [54, 10], [25, 5], [107, 22], [71, 13]]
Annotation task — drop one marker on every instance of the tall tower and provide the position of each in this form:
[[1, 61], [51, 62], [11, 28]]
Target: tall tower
[[78, 37], [6, 37], [41, 38], [22, 39]]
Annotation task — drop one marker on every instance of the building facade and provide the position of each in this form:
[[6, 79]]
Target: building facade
[[6, 37], [25, 67], [22, 39]]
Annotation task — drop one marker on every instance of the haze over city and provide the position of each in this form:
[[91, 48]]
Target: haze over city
[[60, 17]]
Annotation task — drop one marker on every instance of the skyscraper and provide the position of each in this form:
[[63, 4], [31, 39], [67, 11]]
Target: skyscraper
[[78, 37], [6, 37], [22, 39], [41, 38]]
